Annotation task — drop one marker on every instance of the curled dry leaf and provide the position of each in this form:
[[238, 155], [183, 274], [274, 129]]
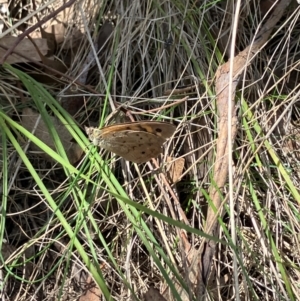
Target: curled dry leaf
[[29, 119], [93, 292], [54, 64], [68, 37], [7, 252], [61, 34], [175, 168], [62, 31], [25, 46]]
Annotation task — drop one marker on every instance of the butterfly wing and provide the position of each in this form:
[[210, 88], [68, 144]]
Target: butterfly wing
[[161, 129], [135, 141], [134, 146]]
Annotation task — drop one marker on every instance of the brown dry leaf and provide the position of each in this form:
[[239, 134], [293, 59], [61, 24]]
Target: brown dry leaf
[[70, 38], [175, 168], [61, 34], [60, 30], [25, 46], [29, 119], [153, 295], [72, 104], [265, 6], [8, 250], [93, 293], [54, 64]]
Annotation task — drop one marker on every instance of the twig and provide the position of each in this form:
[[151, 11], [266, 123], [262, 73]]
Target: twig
[[180, 90]]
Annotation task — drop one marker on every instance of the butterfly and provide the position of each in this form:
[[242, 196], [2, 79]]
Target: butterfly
[[134, 141]]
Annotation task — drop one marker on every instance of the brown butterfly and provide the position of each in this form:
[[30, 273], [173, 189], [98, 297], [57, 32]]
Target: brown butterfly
[[134, 141]]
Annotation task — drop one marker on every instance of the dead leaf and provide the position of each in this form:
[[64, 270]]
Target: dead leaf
[[54, 64], [69, 38], [175, 168], [25, 46], [9, 251], [29, 118], [153, 295], [72, 104], [93, 293]]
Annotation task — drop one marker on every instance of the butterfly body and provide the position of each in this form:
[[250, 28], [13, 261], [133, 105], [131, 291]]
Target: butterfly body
[[135, 141]]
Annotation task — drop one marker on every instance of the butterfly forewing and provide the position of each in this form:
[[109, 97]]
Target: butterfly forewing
[[162, 129], [137, 141], [133, 137]]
